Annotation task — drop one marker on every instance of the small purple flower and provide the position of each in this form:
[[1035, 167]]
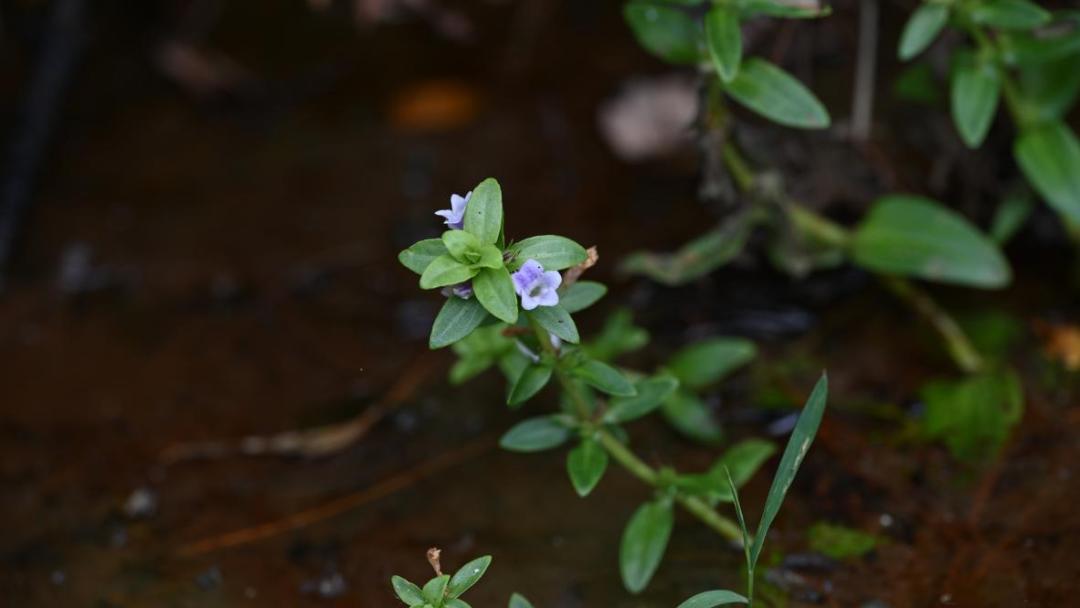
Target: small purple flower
[[536, 287], [461, 290], [455, 215]]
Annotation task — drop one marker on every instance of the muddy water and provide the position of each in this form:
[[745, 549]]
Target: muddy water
[[228, 270]]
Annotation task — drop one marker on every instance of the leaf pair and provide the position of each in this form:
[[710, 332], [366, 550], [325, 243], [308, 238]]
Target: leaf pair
[[442, 591]]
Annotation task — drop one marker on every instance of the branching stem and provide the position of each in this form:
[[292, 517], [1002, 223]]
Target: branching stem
[[626, 458]]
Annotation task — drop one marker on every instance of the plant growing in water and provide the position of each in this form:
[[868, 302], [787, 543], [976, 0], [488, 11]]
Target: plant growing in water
[[507, 304]]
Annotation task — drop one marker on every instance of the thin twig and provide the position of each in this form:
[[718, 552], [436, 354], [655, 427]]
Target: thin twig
[[310, 443], [341, 505]]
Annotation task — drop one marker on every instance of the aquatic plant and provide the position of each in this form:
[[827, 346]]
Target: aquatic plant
[[517, 315]]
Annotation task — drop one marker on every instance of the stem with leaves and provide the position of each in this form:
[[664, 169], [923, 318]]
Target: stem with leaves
[[627, 458], [959, 346]]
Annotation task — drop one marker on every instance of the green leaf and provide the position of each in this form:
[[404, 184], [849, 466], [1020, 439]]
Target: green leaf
[[664, 31], [643, 543], [552, 252], [456, 320], [973, 415], [777, 95], [467, 576], [1010, 14], [976, 89], [490, 257], [922, 28], [918, 237], [406, 591], [581, 295], [709, 361], [840, 542], [689, 415], [534, 378], [651, 393], [724, 38], [535, 435], [435, 589], [797, 447], [518, 601], [484, 213], [556, 321], [421, 254], [459, 243], [1027, 49], [444, 271], [586, 464], [1010, 216], [697, 258], [1048, 90], [783, 10], [916, 83], [495, 292], [618, 336], [456, 603], [605, 378], [1050, 158], [711, 599]]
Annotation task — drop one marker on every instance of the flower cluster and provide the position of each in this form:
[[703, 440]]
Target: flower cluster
[[480, 274]]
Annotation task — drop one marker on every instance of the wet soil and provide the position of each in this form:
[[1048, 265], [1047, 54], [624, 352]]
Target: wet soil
[[212, 270]]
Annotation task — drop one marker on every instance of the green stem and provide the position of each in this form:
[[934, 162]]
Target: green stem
[[958, 345], [628, 459], [961, 349]]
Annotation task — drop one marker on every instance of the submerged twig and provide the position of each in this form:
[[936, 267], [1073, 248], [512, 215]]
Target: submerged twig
[[336, 507], [309, 443]]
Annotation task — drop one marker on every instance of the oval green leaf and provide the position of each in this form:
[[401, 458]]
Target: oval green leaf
[[444, 271], [922, 29], [535, 435], [407, 591], [457, 319], [711, 599], [666, 32], [435, 589], [1050, 159], [1010, 14], [518, 601], [556, 321], [534, 378], [643, 543], [777, 95], [484, 213], [421, 254], [915, 236], [976, 89], [724, 39], [709, 361], [495, 292], [552, 252], [467, 575], [581, 295], [651, 393], [585, 464], [605, 378], [688, 414]]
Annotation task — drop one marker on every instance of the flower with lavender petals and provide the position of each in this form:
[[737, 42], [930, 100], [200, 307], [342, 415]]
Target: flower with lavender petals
[[536, 287], [455, 215]]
